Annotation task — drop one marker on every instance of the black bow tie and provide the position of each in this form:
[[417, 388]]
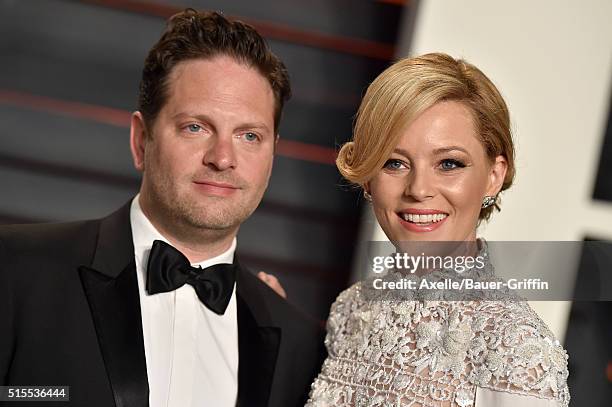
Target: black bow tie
[[169, 269]]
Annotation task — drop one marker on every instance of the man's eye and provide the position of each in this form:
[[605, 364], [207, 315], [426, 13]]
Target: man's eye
[[249, 136], [393, 164], [450, 164], [194, 128]]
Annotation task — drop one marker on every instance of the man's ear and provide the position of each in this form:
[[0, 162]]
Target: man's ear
[[497, 174], [138, 136]]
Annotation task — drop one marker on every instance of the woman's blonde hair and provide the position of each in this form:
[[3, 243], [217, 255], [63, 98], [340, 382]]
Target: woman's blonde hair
[[406, 89]]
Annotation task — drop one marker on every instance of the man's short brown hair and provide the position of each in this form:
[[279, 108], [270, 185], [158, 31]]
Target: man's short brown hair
[[194, 35]]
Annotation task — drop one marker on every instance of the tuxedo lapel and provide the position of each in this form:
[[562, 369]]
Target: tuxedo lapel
[[111, 287], [258, 341]]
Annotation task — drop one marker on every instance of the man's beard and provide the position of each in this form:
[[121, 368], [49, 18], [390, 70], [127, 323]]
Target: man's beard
[[214, 215], [184, 210]]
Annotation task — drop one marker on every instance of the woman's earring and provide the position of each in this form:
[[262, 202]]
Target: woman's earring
[[488, 201], [367, 196]]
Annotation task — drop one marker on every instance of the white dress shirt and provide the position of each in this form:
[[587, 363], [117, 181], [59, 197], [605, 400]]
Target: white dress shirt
[[191, 352]]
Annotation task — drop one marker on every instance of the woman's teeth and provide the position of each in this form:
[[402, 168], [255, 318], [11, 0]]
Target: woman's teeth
[[414, 218]]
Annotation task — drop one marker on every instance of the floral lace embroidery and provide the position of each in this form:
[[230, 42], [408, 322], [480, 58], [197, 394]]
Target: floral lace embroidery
[[435, 353]]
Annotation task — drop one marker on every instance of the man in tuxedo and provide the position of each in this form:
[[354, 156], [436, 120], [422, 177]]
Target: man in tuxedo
[[149, 305]]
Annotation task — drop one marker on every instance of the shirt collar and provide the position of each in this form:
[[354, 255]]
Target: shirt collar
[[144, 233]]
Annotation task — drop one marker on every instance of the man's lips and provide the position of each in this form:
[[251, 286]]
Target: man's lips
[[216, 184], [215, 188]]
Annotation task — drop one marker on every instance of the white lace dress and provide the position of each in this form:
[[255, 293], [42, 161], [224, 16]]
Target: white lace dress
[[422, 353]]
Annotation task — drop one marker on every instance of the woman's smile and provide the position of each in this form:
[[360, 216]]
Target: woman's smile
[[433, 184]]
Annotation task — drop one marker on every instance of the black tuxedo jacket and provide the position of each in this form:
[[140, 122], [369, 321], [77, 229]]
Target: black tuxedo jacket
[[70, 315]]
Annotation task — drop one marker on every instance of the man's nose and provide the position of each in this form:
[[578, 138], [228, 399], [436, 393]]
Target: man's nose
[[220, 153]]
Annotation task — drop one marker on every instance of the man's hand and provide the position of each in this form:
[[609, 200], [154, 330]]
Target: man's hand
[[273, 283]]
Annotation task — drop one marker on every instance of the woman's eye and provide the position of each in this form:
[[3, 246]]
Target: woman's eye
[[194, 128], [394, 164], [450, 164], [249, 136]]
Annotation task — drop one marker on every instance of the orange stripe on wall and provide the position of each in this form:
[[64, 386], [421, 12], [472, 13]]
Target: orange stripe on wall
[[106, 115], [401, 3], [276, 31], [121, 118], [306, 152]]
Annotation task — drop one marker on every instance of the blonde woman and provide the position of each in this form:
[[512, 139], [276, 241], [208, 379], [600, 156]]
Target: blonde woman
[[432, 150]]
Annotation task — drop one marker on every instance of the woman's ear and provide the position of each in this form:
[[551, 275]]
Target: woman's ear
[[497, 174], [366, 192]]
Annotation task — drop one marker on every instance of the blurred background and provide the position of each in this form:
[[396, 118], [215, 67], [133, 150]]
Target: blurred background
[[69, 75]]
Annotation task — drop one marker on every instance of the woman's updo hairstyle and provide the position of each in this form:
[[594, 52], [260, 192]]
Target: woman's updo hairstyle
[[404, 91]]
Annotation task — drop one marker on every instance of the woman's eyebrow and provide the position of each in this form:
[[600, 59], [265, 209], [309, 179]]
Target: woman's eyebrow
[[447, 149], [401, 151], [437, 151]]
